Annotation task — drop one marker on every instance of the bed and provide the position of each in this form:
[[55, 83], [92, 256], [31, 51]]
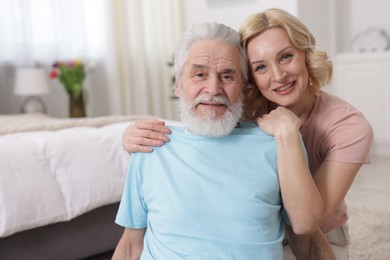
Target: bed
[[60, 185]]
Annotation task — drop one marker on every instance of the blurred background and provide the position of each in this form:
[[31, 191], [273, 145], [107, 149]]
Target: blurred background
[[129, 46]]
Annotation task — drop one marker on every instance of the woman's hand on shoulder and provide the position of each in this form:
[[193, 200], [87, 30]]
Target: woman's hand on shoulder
[[143, 135], [279, 121]]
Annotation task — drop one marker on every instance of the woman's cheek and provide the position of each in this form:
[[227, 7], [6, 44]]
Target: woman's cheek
[[260, 85]]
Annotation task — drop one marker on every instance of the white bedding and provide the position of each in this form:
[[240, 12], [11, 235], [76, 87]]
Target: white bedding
[[53, 176], [55, 169]]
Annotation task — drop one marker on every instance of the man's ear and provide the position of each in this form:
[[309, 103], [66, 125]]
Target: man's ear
[[177, 88]]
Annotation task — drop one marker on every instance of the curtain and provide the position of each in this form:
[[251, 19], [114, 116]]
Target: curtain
[[130, 41], [142, 44], [41, 32]]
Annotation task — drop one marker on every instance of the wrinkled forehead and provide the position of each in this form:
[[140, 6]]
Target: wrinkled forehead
[[213, 55]]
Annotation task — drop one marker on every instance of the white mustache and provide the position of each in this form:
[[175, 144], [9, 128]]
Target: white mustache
[[207, 98]]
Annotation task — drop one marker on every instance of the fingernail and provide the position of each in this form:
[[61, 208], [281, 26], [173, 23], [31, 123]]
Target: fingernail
[[157, 143]]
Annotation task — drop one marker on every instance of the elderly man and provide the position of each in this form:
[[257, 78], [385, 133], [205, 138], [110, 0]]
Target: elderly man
[[213, 191]]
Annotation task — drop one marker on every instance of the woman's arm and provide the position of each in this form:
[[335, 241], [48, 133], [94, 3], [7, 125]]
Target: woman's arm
[[309, 246], [302, 199], [337, 219], [130, 245], [333, 180], [142, 135]]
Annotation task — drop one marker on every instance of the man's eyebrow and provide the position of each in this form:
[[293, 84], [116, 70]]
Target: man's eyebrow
[[198, 66], [229, 71]]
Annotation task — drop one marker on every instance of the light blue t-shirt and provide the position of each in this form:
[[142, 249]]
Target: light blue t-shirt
[[206, 198]]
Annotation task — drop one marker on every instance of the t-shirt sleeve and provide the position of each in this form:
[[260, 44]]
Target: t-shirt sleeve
[[350, 139], [132, 210]]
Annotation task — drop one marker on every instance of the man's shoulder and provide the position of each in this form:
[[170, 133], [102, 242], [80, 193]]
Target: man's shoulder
[[243, 129], [250, 128]]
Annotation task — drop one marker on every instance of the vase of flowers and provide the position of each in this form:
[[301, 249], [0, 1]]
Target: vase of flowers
[[72, 74]]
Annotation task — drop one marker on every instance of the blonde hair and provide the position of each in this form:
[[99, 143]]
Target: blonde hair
[[319, 66]]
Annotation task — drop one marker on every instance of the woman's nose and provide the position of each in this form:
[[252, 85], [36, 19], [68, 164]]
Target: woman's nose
[[278, 73]]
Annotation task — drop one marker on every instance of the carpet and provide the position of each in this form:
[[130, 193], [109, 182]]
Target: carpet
[[369, 230]]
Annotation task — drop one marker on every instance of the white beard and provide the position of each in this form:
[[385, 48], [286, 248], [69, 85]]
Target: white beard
[[210, 125]]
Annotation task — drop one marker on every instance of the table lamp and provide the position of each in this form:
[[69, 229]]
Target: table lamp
[[32, 82]]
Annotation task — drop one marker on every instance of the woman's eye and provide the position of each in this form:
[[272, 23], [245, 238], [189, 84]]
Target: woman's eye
[[260, 68], [286, 57]]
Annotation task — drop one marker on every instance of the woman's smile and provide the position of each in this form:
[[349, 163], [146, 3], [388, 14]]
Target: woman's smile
[[285, 89]]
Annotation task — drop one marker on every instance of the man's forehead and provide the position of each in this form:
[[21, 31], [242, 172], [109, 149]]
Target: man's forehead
[[213, 54]]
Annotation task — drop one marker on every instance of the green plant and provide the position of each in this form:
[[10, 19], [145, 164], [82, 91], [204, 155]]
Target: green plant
[[71, 74]]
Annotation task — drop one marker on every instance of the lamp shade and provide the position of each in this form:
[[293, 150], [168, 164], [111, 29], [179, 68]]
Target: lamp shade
[[31, 82]]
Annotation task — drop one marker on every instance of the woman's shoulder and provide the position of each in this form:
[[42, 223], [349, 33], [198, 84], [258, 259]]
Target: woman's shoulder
[[330, 101], [337, 130], [335, 108], [333, 112]]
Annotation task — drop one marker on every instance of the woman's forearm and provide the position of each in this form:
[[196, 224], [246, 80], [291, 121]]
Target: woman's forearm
[[301, 198]]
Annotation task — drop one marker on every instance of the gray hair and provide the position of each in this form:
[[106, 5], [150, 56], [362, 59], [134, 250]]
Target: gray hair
[[209, 31]]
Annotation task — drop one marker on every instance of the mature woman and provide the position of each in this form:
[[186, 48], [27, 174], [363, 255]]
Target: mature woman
[[287, 72]]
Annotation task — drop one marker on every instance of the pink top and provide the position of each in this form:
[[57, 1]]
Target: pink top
[[336, 131]]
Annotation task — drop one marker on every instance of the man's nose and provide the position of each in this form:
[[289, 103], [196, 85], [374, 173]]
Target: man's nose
[[214, 86]]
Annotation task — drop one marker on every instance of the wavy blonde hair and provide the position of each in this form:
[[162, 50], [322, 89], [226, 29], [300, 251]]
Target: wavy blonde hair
[[319, 66]]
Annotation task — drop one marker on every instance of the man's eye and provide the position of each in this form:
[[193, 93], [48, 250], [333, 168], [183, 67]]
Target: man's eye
[[199, 75], [227, 77]]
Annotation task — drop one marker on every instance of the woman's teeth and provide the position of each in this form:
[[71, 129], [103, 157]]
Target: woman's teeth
[[284, 88]]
